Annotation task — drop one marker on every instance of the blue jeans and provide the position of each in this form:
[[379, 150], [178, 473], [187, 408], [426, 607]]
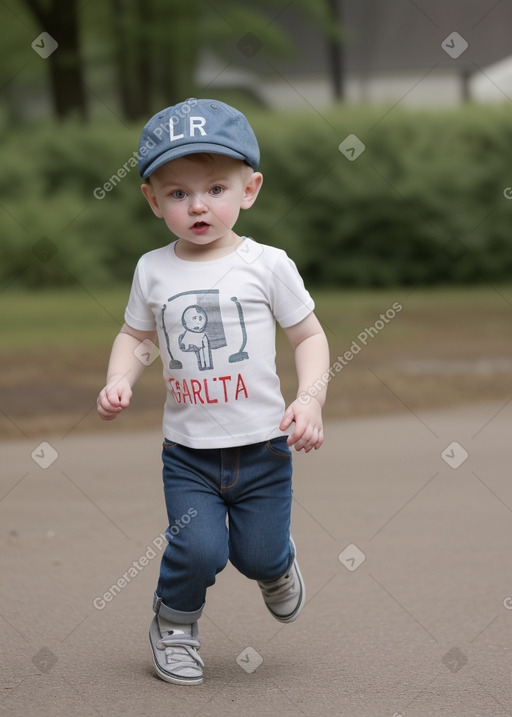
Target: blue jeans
[[222, 503]]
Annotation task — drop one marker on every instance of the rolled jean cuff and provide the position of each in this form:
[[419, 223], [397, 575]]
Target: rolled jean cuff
[[178, 616]]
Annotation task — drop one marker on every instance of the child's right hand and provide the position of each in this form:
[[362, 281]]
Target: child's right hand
[[114, 397]]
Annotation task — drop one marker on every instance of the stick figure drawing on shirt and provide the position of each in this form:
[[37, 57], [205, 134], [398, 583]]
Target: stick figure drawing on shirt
[[195, 338]]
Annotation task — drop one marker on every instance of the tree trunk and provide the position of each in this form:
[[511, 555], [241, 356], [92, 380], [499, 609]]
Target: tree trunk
[[60, 20], [179, 50], [335, 53], [122, 66], [143, 68], [132, 56]]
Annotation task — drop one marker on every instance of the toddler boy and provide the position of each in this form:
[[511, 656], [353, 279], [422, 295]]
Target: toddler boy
[[212, 298]]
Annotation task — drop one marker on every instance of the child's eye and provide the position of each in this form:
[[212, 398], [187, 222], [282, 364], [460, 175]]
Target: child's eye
[[216, 190], [178, 194]]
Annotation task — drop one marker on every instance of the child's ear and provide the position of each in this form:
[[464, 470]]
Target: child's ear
[[149, 193], [252, 188]]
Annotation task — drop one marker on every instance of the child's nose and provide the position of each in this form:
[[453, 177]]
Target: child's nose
[[197, 205]]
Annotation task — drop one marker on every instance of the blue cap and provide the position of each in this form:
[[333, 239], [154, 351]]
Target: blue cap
[[196, 126]]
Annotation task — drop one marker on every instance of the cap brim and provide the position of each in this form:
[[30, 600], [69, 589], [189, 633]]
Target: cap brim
[[196, 148]]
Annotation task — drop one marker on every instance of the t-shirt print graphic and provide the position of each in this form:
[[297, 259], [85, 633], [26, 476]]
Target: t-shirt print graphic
[[199, 328]]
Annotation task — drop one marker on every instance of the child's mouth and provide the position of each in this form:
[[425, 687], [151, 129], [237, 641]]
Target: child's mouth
[[199, 227]]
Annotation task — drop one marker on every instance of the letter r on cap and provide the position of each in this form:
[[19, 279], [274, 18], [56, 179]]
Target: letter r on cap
[[197, 123]]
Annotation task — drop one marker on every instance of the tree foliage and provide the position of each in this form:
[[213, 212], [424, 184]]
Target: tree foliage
[[427, 202], [132, 55]]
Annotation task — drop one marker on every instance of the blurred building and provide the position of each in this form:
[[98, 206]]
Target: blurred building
[[422, 52]]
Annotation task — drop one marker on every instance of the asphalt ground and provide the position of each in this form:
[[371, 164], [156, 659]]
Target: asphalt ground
[[403, 527]]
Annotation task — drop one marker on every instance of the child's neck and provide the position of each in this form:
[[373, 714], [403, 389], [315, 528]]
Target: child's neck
[[209, 252]]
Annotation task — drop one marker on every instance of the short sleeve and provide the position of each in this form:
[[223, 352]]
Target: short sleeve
[[290, 300], [138, 314]]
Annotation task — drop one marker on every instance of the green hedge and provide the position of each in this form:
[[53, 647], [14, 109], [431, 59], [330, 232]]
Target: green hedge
[[424, 203]]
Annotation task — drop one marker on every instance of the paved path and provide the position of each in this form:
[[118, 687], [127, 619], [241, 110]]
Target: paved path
[[422, 626]]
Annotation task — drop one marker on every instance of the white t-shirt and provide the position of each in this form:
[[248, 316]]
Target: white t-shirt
[[216, 332]]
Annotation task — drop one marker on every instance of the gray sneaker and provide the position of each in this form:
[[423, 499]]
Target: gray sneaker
[[174, 650], [286, 596]]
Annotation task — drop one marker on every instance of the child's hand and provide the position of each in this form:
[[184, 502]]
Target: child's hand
[[114, 397], [309, 432]]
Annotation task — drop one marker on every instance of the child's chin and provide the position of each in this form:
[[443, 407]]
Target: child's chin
[[204, 240]]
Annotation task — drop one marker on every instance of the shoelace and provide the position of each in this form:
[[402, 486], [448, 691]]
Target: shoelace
[[274, 592], [180, 651]]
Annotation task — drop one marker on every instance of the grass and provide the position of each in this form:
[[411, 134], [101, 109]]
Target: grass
[[445, 346], [63, 318]]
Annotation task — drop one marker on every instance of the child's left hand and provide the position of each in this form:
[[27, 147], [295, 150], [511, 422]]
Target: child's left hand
[[308, 432]]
